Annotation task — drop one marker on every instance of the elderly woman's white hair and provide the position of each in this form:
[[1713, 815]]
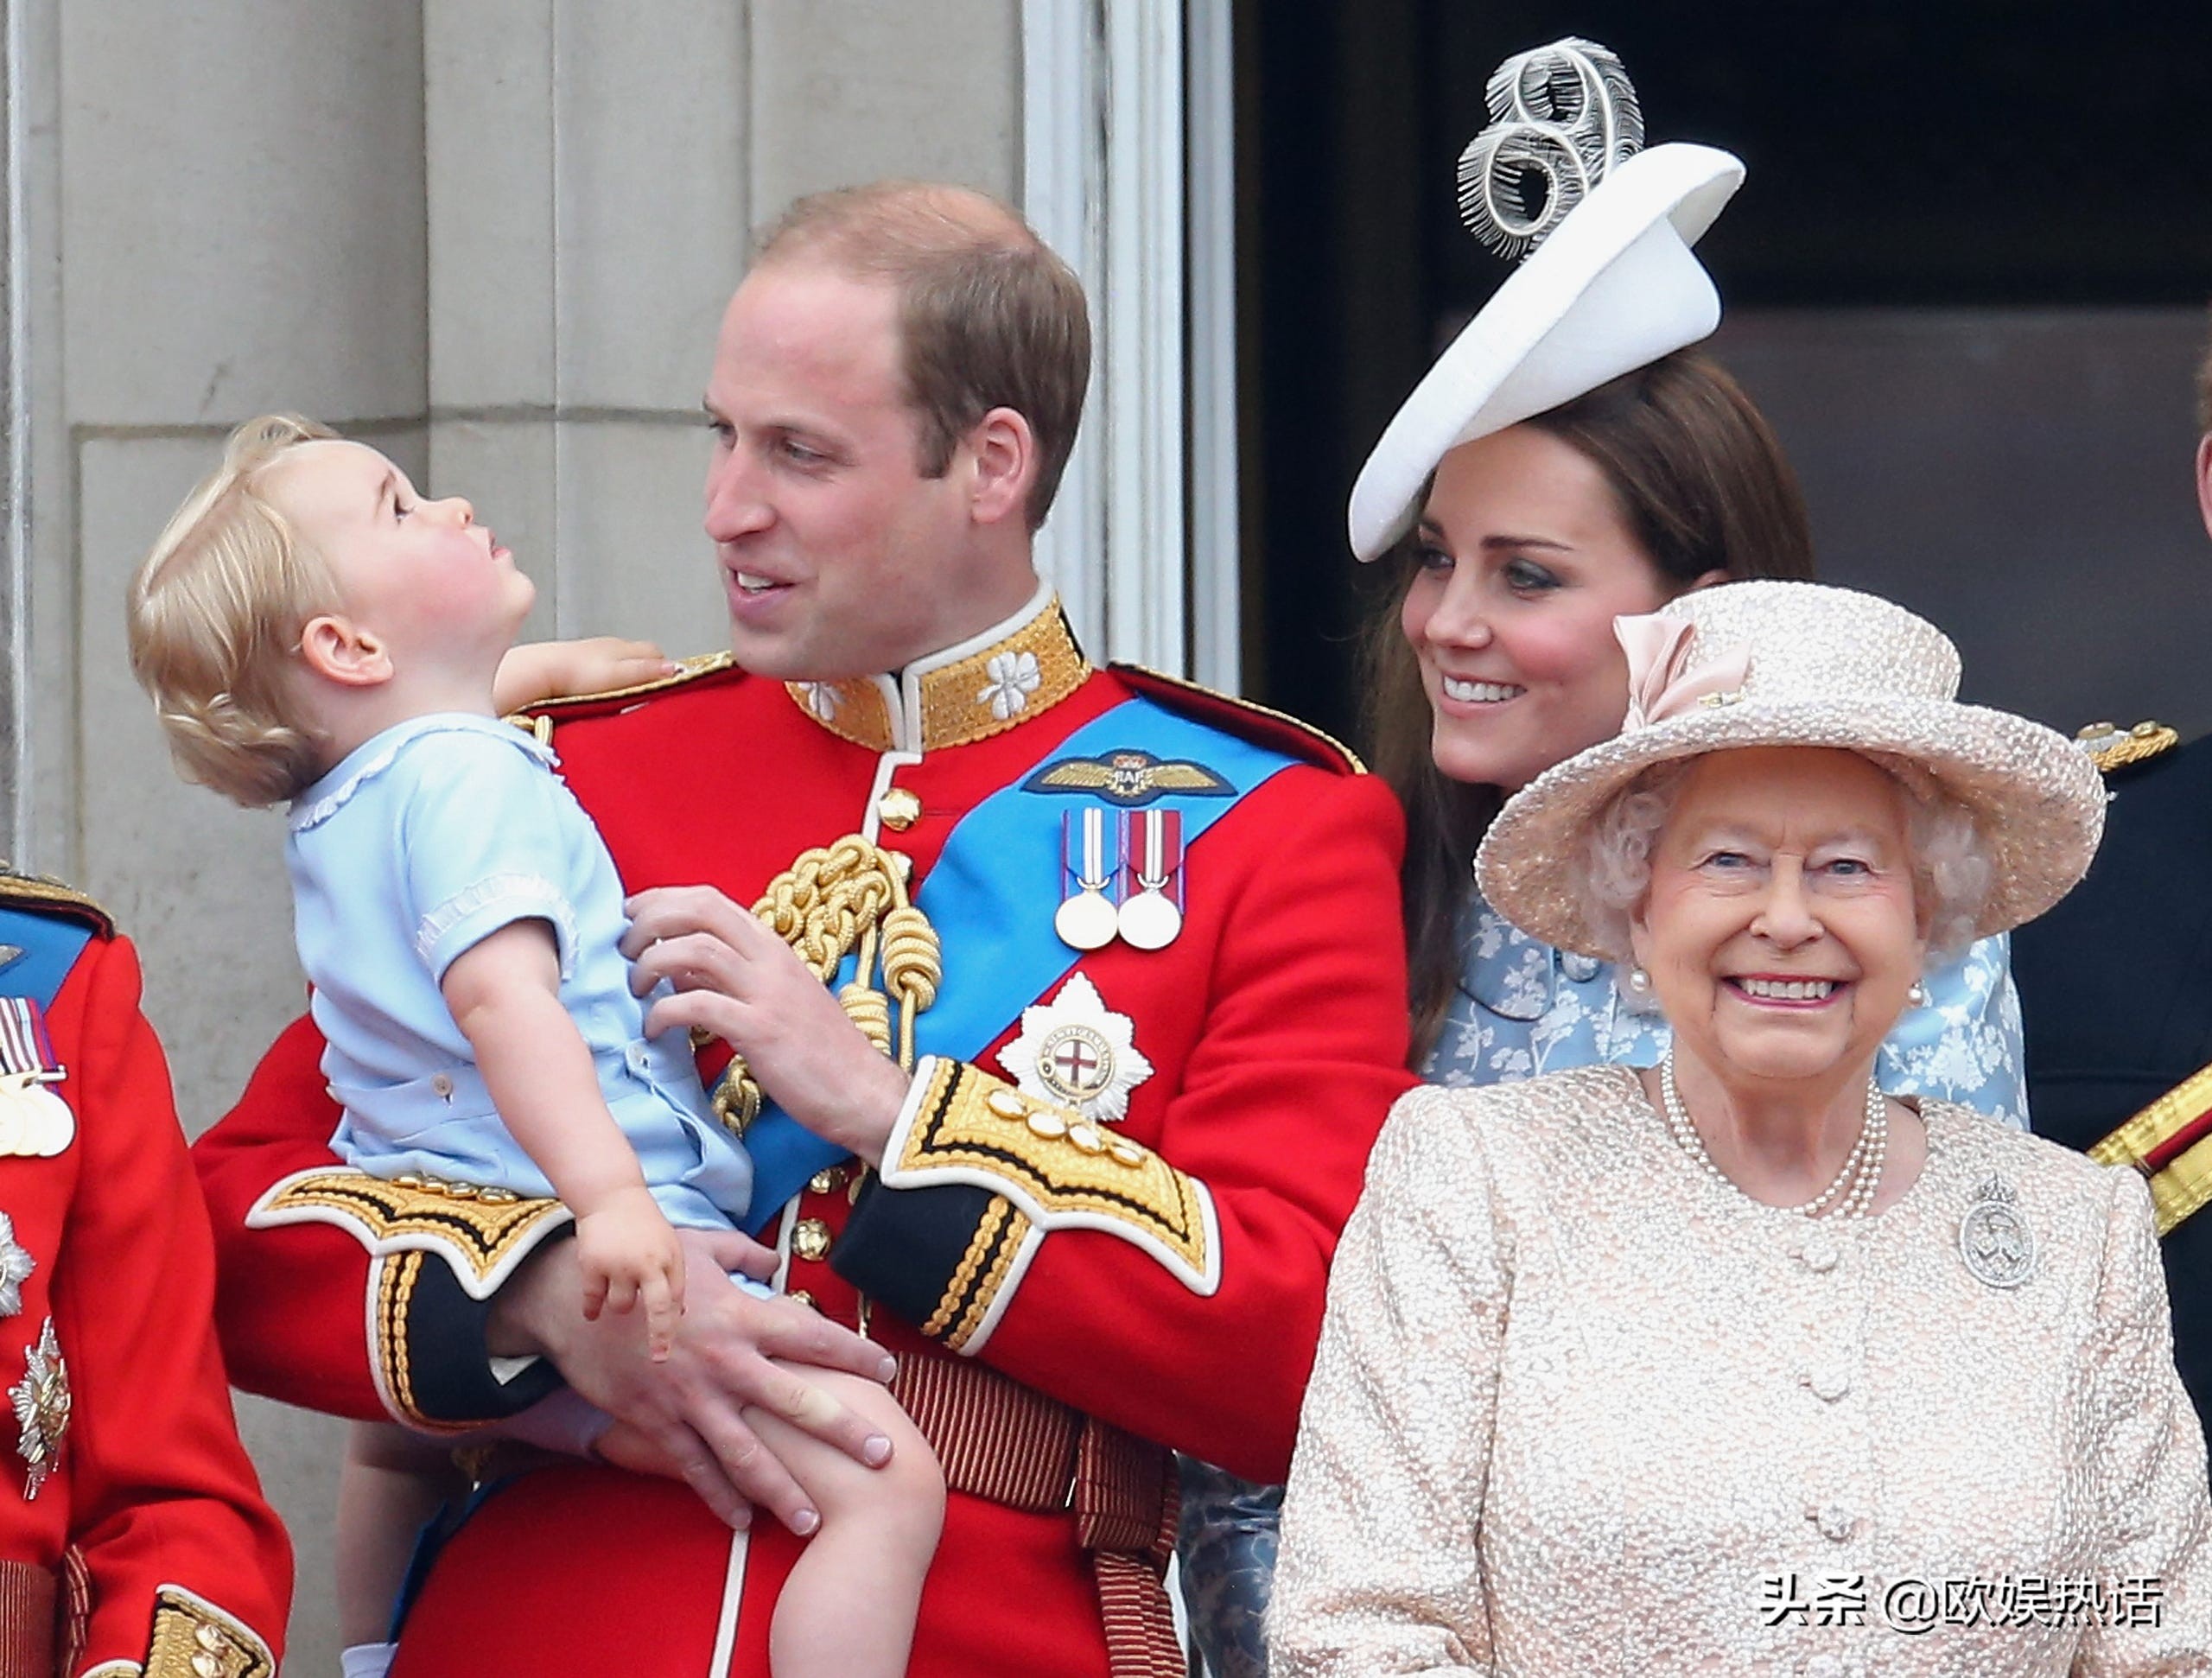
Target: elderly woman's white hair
[[1951, 867]]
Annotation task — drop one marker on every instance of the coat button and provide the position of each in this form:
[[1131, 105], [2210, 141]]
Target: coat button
[[810, 1239], [1087, 1139], [1835, 1522], [1820, 1253], [1046, 1124], [899, 809], [441, 1085], [1005, 1103], [829, 1180]]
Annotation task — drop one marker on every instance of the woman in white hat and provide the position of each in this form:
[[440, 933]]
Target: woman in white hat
[[1737, 1363], [1567, 460]]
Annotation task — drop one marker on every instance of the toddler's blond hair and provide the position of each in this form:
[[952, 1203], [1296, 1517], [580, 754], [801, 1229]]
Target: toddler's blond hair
[[215, 616]]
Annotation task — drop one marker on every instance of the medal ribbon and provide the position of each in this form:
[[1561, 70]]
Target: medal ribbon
[[990, 895], [25, 1045]]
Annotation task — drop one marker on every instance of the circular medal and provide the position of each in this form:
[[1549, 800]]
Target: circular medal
[[1150, 921], [49, 1126], [12, 1122], [1085, 921]]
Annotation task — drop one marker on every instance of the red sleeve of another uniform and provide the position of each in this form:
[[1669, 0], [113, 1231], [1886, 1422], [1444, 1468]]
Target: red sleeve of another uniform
[[165, 1510], [1302, 1051]]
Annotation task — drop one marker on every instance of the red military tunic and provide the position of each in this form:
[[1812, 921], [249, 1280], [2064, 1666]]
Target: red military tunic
[[1176, 1301], [126, 1482]]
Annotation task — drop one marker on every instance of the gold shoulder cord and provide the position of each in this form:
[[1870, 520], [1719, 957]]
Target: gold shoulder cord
[[832, 900]]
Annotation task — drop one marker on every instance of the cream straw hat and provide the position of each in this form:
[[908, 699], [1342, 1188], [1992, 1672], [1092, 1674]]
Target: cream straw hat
[[1608, 284], [1799, 663]]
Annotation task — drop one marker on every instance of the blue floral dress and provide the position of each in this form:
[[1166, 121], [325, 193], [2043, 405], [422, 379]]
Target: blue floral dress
[[1523, 1008]]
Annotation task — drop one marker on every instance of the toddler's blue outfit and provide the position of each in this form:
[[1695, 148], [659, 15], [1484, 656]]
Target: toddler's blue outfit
[[422, 843]]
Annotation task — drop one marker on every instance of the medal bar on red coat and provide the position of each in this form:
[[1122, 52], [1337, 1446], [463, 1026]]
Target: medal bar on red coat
[[34, 1120], [1089, 863], [1152, 875]]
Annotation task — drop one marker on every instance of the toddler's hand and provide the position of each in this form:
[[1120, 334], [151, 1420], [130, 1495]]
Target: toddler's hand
[[555, 670], [629, 1254]]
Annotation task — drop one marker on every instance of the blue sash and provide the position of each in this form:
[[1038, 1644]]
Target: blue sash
[[50, 945], [991, 895]]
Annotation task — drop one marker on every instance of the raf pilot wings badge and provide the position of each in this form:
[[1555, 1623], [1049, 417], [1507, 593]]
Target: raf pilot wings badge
[[1128, 779]]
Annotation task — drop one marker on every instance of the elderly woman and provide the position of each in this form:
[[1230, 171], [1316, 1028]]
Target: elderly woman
[[1735, 1363]]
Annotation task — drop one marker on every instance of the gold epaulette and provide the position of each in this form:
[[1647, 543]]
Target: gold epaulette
[[33, 891], [537, 719], [1268, 726], [2111, 747], [689, 670], [2170, 1142]]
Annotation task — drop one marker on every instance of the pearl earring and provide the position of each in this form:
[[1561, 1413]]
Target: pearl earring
[[1917, 996], [1638, 983]]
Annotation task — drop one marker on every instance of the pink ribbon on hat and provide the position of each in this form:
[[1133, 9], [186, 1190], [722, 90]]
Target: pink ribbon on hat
[[1659, 687]]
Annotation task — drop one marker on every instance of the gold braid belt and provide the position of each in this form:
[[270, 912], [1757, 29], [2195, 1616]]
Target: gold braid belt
[[842, 897]]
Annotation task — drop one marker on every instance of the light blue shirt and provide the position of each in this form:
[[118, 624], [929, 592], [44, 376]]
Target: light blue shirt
[[1523, 1008], [423, 841]]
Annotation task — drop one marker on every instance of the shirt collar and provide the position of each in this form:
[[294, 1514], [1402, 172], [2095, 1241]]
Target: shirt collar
[[1012, 671]]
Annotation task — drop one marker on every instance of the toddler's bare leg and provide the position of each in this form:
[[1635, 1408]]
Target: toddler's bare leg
[[391, 1486], [847, 1609]]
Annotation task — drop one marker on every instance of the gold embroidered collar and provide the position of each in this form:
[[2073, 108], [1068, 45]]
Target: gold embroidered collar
[[998, 680]]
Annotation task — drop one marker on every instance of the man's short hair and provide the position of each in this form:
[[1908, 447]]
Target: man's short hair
[[215, 616], [2204, 390], [989, 316]]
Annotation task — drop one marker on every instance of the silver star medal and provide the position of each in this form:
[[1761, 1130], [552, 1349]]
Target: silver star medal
[[16, 1267], [1994, 1240], [42, 1398], [1075, 1051]]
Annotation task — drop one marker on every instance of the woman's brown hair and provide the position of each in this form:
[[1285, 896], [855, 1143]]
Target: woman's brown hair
[[1704, 486]]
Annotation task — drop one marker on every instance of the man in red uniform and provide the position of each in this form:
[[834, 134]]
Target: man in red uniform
[[133, 1536], [1118, 1010]]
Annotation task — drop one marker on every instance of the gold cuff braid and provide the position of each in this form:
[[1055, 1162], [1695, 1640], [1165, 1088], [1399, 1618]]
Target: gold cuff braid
[[1056, 1168], [192, 1638]]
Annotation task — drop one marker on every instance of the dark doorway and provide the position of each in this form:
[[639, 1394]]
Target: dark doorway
[[1966, 279]]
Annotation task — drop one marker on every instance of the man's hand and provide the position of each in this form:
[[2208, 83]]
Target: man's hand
[[555, 670], [629, 1256], [689, 1414], [735, 978]]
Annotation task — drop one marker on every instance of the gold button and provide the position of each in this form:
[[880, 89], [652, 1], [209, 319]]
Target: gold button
[[208, 1637], [828, 1181], [207, 1665], [811, 1238], [1086, 1137], [1046, 1124], [899, 809], [498, 1197], [461, 1191], [1124, 1151], [800, 1296], [1005, 1103]]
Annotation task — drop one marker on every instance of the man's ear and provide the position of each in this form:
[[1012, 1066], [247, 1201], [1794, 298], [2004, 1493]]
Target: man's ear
[[1004, 450], [340, 651], [2205, 479]]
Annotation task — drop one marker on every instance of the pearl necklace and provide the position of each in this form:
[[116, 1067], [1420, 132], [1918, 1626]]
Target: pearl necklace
[[1856, 1183]]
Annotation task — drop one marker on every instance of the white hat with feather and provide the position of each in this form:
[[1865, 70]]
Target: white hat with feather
[[1606, 284]]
